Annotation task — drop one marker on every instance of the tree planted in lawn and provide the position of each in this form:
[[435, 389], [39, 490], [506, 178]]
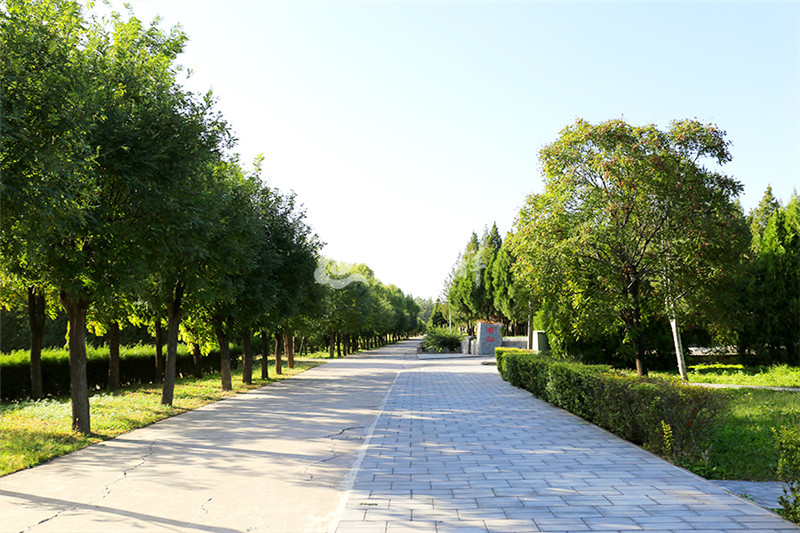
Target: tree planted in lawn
[[630, 223]]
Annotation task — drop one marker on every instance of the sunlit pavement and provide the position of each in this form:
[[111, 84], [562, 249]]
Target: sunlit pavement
[[457, 449], [275, 459]]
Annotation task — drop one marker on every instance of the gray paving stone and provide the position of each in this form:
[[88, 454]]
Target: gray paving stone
[[492, 458]]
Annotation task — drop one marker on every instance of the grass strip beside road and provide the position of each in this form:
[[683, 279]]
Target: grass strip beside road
[[32, 432]]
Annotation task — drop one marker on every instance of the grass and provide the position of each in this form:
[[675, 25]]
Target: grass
[[752, 376], [744, 447], [32, 432]]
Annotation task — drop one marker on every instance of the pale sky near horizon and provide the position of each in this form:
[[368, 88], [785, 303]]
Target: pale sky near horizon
[[405, 126]]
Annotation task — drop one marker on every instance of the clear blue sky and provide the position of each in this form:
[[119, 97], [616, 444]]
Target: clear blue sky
[[405, 126]]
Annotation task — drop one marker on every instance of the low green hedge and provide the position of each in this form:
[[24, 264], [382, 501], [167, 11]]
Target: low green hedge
[[137, 365], [665, 416]]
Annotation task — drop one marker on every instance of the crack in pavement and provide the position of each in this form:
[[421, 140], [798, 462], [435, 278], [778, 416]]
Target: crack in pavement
[[142, 461], [203, 506], [334, 435], [106, 490]]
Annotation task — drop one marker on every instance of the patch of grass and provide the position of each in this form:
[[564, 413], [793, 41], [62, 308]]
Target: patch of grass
[[32, 432], [759, 376], [744, 446]]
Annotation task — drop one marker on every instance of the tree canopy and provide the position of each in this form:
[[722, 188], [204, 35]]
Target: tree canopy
[[630, 221]]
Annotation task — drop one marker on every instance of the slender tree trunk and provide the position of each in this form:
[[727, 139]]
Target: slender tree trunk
[[113, 355], [36, 316], [224, 354], [289, 341], [278, 352], [264, 355], [637, 335], [159, 351], [171, 364], [197, 358], [676, 338], [247, 358], [303, 350], [339, 344], [78, 383], [332, 345], [346, 345]]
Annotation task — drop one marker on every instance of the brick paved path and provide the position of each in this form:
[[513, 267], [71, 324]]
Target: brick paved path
[[457, 449]]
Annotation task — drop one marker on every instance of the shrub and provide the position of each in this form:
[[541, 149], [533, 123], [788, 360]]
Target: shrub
[[789, 470], [441, 339], [665, 416], [137, 365]]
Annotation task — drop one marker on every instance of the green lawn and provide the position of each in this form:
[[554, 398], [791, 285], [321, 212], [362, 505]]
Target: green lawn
[[34, 431], [744, 446], [762, 376]]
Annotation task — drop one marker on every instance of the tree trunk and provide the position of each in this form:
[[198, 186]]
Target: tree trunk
[[171, 364], [264, 355], [224, 354], [247, 358], [339, 344], [332, 345], [676, 338], [197, 358], [113, 356], [36, 303], [638, 345], [288, 340], [346, 345], [78, 383], [159, 351], [278, 352]]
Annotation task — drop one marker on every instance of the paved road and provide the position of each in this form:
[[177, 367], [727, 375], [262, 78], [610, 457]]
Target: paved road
[[454, 448], [457, 449], [275, 459]]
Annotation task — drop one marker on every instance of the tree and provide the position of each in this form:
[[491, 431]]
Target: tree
[[630, 220], [771, 288], [89, 133], [510, 301], [759, 217], [42, 123]]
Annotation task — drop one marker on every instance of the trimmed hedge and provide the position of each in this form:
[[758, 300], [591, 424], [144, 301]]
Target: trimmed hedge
[[666, 417], [137, 365]]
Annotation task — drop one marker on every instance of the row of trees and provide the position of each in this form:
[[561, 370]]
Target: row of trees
[[635, 240], [123, 203]]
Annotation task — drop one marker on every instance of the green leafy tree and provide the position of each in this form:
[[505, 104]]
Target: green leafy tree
[[84, 219], [464, 283], [630, 220], [771, 292], [43, 120], [509, 296], [759, 217]]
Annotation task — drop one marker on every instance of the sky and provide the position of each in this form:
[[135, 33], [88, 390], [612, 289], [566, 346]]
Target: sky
[[405, 126]]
